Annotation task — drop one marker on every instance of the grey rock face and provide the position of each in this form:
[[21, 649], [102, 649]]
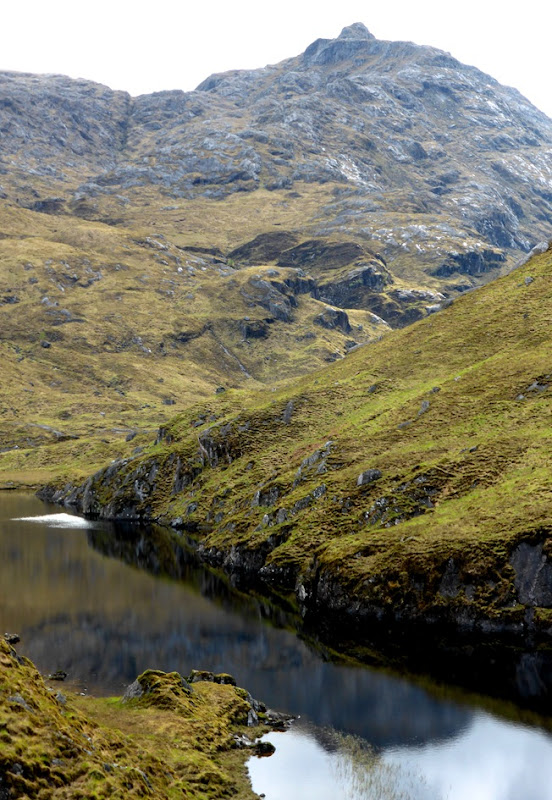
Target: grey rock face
[[333, 318], [416, 156], [288, 412], [20, 701], [254, 329], [470, 263], [533, 580], [353, 40], [74, 120], [273, 296], [315, 464], [368, 476], [133, 692], [537, 250], [355, 288], [450, 583]]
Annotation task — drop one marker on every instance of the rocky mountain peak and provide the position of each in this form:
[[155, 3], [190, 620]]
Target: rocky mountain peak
[[391, 145], [357, 30], [353, 40]]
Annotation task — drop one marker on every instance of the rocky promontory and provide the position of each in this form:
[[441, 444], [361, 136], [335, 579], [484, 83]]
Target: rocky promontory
[[167, 736], [377, 491]]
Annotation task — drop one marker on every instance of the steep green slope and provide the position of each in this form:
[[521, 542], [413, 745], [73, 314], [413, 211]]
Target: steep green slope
[[410, 479]]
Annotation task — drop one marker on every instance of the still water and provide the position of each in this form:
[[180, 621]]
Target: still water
[[103, 603]]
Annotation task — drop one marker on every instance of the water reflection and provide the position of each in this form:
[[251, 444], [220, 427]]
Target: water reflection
[[491, 760], [104, 603], [103, 621], [487, 760], [497, 669]]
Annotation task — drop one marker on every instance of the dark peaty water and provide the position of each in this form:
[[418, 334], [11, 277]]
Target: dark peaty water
[[103, 621]]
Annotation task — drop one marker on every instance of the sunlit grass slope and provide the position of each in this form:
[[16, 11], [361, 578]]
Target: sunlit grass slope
[[451, 415], [105, 332], [175, 741]]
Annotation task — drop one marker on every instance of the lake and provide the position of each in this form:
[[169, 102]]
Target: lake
[[103, 602]]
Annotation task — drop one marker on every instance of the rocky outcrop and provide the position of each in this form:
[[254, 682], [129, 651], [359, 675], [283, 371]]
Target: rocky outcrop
[[333, 318], [517, 615], [356, 289], [533, 580], [277, 294], [318, 253], [254, 328], [264, 249], [51, 741], [368, 476], [473, 263], [51, 122], [272, 295]]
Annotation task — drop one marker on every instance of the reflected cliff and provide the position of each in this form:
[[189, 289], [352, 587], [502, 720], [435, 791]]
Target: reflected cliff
[[103, 621], [490, 668]]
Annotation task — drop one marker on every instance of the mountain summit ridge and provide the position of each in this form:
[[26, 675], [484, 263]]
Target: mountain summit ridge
[[357, 30], [402, 135]]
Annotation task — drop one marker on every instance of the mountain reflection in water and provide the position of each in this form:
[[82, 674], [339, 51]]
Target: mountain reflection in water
[[487, 760], [103, 622], [103, 602]]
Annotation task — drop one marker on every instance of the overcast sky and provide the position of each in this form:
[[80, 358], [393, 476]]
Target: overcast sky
[[149, 46]]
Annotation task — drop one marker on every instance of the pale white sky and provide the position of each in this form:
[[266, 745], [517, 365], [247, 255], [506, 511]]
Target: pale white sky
[[149, 46]]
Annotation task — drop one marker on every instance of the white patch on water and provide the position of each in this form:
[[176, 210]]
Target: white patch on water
[[58, 521], [490, 759]]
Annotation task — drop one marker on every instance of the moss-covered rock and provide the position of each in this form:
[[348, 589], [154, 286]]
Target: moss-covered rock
[[165, 741]]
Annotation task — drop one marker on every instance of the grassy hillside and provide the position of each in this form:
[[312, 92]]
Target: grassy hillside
[[105, 332], [448, 422], [156, 249], [175, 740]]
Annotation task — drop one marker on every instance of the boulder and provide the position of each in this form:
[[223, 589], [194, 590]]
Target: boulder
[[333, 318], [368, 476]]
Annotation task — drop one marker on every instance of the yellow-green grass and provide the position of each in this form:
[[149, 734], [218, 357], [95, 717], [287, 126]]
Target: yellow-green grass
[[465, 478], [131, 326], [170, 743]]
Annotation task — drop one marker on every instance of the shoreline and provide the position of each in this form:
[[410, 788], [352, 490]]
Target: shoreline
[[435, 648], [165, 735]]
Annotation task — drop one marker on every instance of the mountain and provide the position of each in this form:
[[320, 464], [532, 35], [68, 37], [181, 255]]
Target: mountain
[[408, 482], [156, 249], [380, 136]]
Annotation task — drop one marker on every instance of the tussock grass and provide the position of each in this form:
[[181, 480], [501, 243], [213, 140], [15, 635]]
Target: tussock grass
[[170, 743]]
